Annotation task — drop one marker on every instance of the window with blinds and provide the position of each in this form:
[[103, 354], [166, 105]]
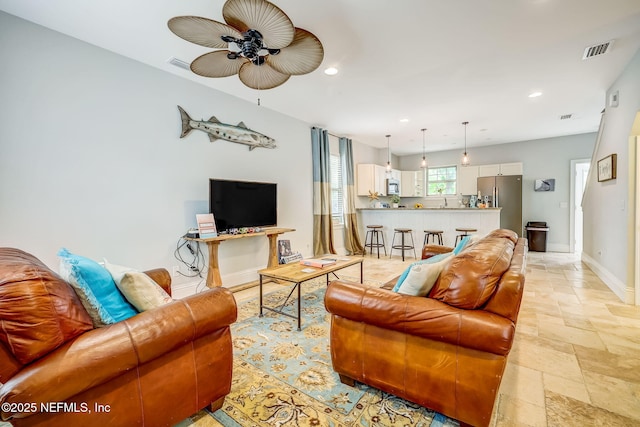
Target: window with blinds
[[336, 191], [442, 178]]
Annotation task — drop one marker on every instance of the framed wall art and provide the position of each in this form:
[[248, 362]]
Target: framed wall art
[[544, 184], [607, 168]]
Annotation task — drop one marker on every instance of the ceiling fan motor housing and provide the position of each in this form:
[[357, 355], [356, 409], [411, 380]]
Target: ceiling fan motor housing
[[251, 44]]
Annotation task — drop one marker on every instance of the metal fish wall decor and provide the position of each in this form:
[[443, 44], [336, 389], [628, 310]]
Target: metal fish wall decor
[[239, 133]]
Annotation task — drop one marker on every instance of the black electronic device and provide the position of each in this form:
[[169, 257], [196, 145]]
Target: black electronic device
[[238, 204], [192, 233]]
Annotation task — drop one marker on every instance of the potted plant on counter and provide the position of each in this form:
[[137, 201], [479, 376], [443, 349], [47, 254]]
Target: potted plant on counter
[[395, 199]]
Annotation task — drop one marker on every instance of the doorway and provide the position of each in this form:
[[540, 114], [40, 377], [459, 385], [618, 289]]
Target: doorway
[[579, 173]]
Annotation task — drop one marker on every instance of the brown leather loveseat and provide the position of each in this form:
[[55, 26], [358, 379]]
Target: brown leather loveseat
[[153, 369], [446, 351]]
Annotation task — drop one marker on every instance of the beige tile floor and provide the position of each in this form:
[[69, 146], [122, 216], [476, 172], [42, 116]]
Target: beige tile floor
[[576, 355]]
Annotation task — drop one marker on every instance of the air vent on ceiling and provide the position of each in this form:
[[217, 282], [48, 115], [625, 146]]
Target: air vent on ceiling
[[565, 116], [597, 50], [179, 63]]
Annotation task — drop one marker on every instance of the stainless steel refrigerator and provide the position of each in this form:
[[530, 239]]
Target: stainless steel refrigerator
[[504, 191]]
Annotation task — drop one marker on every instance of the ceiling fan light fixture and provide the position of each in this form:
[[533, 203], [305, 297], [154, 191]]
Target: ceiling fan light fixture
[[465, 156], [257, 34]]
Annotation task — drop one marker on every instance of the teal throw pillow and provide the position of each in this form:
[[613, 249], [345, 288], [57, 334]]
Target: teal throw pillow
[[95, 288], [461, 244], [405, 273]]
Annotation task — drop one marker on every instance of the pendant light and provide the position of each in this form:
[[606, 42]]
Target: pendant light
[[465, 157], [388, 156], [423, 165]]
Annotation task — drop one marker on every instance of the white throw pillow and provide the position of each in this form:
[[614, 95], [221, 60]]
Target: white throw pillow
[[140, 290], [422, 277], [117, 271]]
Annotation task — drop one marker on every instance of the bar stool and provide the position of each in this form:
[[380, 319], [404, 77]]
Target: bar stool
[[403, 246], [434, 234], [464, 232], [374, 232]]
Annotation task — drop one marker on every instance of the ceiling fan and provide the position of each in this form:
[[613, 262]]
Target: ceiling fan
[[260, 44]]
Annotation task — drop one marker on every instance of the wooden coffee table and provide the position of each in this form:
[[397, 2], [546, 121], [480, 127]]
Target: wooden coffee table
[[298, 273]]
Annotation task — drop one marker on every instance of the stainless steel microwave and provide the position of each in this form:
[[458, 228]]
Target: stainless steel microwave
[[393, 187]]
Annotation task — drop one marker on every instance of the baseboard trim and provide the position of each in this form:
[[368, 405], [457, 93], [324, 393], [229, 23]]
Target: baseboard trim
[[617, 286], [185, 289], [189, 288], [558, 247]]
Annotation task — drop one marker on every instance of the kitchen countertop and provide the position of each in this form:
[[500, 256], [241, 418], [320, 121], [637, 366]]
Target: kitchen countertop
[[430, 209], [432, 218]]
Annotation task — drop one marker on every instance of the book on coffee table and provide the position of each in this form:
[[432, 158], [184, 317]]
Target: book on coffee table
[[318, 262]]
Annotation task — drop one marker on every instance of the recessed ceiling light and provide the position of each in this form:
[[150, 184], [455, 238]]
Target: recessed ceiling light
[[535, 94], [331, 71], [404, 120]]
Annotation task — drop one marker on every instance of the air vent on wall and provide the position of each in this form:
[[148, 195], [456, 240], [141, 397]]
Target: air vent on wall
[[597, 50], [179, 63], [565, 116]]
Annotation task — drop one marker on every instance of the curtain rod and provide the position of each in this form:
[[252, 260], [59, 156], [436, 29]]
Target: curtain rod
[[332, 134]]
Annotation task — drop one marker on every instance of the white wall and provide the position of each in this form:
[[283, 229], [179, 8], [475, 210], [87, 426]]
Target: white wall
[[543, 158], [91, 159], [605, 203]]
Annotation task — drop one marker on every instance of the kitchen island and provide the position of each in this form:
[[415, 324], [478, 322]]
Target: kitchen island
[[420, 219]]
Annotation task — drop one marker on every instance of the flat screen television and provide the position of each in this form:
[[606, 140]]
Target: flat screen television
[[236, 204]]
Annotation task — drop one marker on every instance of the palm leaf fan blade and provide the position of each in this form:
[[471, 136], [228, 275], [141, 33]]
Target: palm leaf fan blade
[[217, 64], [275, 26], [302, 56], [261, 76], [202, 31]]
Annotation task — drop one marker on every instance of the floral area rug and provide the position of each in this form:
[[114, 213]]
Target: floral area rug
[[283, 377]]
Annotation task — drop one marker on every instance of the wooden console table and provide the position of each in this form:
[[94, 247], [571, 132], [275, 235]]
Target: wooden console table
[[213, 275]]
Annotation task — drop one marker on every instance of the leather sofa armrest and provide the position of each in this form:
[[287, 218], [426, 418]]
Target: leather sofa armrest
[[162, 277], [420, 316], [100, 355], [432, 250]]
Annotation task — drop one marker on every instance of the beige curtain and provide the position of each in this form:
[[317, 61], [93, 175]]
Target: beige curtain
[[352, 241], [322, 225]]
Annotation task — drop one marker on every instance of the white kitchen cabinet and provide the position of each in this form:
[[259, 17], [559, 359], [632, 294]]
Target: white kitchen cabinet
[[420, 183], [468, 180], [488, 170], [500, 169], [370, 177], [412, 184], [511, 168]]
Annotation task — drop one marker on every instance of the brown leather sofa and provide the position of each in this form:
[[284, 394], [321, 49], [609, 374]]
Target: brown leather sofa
[[446, 351], [153, 369]]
